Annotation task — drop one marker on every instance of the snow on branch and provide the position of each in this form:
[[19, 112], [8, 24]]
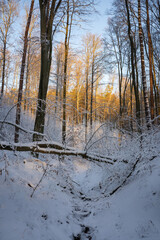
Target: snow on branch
[[53, 148], [23, 129]]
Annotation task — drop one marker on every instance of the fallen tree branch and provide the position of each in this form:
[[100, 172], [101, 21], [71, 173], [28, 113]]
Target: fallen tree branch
[[53, 148]]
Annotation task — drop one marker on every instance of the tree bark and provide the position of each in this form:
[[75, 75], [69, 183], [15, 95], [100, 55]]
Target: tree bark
[[86, 102], [91, 104], [144, 83], [49, 148], [67, 39], [133, 51], [18, 109], [47, 15], [65, 77], [3, 69], [150, 62]]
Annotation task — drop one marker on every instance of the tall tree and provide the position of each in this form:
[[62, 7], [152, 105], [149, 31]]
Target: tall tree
[[96, 63], [133, 63], [150, 61], [18, 109], [144, 83], [87, 70], [69, 18], [8, 13], [48, 11], [75, 8]]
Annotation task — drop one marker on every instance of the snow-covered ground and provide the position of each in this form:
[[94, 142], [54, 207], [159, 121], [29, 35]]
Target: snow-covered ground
[[72, 201], [46, 198]]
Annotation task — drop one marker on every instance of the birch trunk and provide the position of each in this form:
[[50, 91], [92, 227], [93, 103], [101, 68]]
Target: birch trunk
[[144, 83]]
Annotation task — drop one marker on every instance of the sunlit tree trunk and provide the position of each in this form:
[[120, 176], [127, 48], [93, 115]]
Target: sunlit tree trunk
[[26, 81], [91, 104], [4, 65], [150, 62], [86, 98], [65, 77], [144, 83]]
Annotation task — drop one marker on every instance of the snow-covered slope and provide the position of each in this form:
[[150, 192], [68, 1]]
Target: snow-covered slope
[[72, 201]]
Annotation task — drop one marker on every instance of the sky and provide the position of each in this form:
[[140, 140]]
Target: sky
[[96, 23], [99, 21]]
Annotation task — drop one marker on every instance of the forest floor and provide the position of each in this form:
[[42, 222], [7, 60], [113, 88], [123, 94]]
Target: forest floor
[[49, 199]]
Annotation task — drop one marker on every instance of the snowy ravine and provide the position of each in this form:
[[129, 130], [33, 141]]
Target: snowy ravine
[[72, 201]]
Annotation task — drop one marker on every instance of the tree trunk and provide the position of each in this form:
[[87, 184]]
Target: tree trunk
[[133, 51], [47, 15], [150, 62], [57, 83], [91, 104], [18, 109], [65, 78], [144, 83], [67, 39], [26, 85], [86, 104], [3, 69]]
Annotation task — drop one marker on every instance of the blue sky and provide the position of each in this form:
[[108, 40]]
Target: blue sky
[[96, 23], [99, 22]]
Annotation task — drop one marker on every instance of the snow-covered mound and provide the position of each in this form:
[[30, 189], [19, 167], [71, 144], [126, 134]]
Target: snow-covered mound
[[70, 200]]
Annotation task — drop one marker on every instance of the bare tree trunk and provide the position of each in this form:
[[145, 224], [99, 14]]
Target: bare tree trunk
[[136, 92], [47, 14], [150, 62], [67, 39], [86, 104], [144, 83], [57, 83], [131, 121], [65, 78], [91, 105], [18, 109], [26, 86], [3, 69]]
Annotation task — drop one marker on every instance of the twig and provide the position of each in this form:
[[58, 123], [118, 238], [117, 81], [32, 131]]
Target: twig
[[22, 129], [44, 173]]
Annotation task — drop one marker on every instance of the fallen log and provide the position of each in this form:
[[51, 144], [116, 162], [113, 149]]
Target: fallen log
[[54, 148]]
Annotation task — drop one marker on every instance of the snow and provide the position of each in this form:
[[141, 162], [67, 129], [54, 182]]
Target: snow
[[72, 199]]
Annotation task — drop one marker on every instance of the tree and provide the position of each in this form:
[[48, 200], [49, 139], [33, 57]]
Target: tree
[[87, 69], [133, 63], [32, 61], [96, 69], [117, 51], [7, 17], [150, 62], [48, 11], [59, 65], [69, 18], [18, 109], [75, 8], [144, 83]]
